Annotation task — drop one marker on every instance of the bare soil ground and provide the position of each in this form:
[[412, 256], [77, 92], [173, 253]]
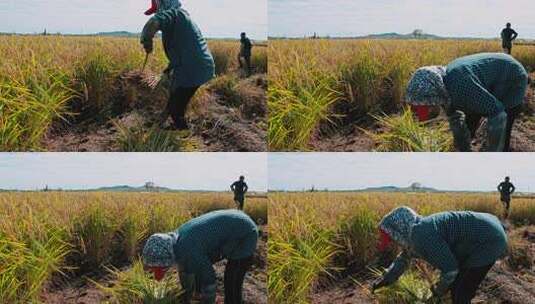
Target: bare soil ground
[[349, 137], [215, 124], [81, 291], [506, 283], [344, 292]]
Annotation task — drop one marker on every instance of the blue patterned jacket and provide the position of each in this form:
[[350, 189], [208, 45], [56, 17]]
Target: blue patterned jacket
[[223, 234]]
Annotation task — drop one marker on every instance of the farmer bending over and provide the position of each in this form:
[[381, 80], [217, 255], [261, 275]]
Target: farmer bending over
[[491, 85], [201, 242], [245, 53], [190, 62], [462, 245], [506, 188], [508, 35], [239, 188]]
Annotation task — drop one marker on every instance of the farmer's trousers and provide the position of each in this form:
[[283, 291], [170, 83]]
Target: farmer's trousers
[[233, 280], [247, 60], [178, 102], [506, 200], [507, 47], [240, 200], [464, 288], [473, 121]]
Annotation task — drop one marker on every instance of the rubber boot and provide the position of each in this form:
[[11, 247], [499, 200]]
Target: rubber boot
[[496, 126], [461, 134]]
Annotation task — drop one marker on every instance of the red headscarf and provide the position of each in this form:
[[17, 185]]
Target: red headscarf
[[154, 7], [384, 240], [159, 272], [422, 111]]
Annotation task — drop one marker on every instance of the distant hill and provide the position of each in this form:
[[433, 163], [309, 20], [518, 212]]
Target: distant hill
[[117, 188], [118, 34], [126, 188], [422, 36], [412, 188], [392, 36]]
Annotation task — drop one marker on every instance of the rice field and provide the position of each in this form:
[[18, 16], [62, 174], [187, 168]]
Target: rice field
[[48, 80], [49, 238], [322, 246], [318, 88]]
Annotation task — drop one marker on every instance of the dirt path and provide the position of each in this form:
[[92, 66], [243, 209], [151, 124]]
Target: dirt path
[[80, 291], [343, 292], [216, 124], [351, 138]]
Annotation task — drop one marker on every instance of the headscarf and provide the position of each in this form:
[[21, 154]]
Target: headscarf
[[398, 224], [158, 251], [427, 87], [162, 5]]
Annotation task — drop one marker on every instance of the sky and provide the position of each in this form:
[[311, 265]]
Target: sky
[[443, 171], [216, 18], [185, 171], [453, 18]]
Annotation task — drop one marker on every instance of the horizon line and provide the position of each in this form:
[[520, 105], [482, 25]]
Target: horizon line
[[107, 33], [426, 36]]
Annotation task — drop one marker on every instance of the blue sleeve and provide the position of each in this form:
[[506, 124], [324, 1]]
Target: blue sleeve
[[166, 18], [437, 253], [397, 268], [201, 266]]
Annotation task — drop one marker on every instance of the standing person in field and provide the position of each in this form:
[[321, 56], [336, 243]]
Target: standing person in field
[[463, 245], [239, 188], [245, 53], [508, 35], [506, 188], [190, 62], [490, 85], [197, 245]]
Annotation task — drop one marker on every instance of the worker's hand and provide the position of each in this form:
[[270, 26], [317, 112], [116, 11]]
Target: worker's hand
[[378, 283], [165, 78], [208, 294], [432, 299], [148, 45], [168, 71], [437, 293]]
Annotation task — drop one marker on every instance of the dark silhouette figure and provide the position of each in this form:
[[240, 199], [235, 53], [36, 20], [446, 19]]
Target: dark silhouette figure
[[508, 35], [506, 188], [245, 53], [239, 188]]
